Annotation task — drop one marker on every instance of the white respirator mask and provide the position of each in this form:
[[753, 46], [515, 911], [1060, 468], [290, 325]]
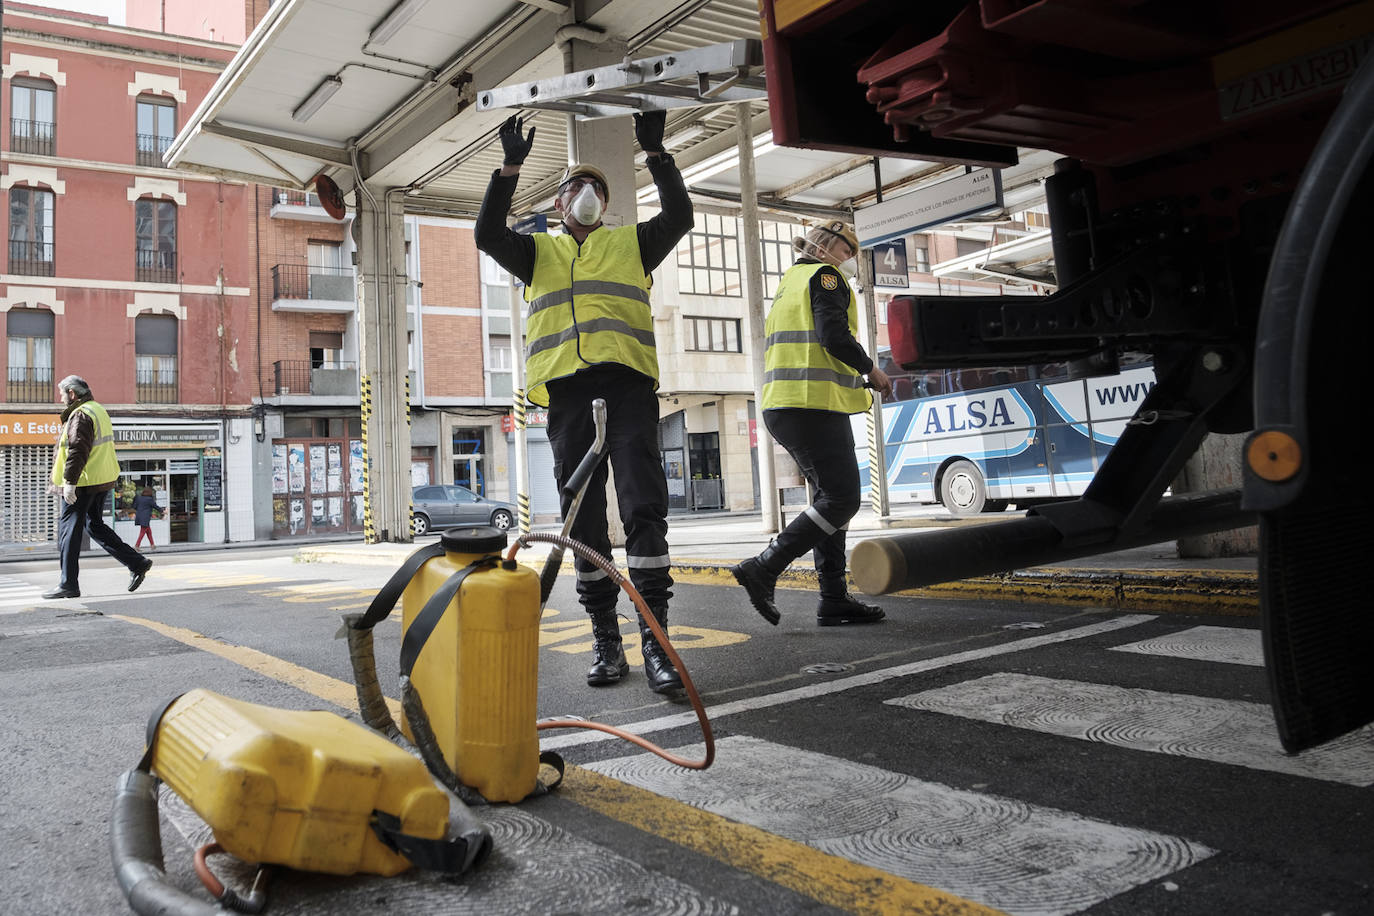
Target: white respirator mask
[[586, 206], [848, 267]]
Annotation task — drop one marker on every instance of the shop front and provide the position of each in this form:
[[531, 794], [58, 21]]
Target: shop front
[[181, 464], [317, 477]]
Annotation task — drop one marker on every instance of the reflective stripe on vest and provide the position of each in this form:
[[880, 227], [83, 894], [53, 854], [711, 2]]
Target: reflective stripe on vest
[[798, 371], [585, 305], [102, 465]]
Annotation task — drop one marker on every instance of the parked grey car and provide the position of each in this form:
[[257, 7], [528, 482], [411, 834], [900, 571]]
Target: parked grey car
[[446, 505]]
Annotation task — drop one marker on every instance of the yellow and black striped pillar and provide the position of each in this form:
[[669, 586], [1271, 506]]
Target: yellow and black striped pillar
[[365, 396], [522, 496]]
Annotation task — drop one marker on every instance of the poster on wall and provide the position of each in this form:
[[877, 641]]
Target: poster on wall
[[358, 510], [317, 469], [317, 516], [335, 468], [355, 465], [279, 511], [278, 470], [297, 515], [295, 460], [335, 510]]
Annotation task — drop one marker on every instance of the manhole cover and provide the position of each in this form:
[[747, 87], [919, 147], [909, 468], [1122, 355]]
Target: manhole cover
[[827, 668]]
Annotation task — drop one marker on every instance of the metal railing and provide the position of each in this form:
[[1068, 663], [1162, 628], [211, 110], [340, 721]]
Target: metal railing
[[27, 385], [283, 197], [150, 147], [297, 376], [32, 259], [155, 266], [301, 281], [155, 386], [38, 138]]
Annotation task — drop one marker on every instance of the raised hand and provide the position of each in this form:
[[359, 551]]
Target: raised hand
[[514, 142], [649, 130]]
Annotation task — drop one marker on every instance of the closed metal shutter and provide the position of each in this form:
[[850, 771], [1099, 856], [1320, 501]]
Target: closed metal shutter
[[543, 488], [27, 513]]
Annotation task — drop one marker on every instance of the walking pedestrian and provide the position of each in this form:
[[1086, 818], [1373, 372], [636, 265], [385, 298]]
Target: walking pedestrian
[[815, 374], [590, 335], [84, 472], [145, 504]]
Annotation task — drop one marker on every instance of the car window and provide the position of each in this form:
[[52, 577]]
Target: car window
[[461, 495], [428, 493]]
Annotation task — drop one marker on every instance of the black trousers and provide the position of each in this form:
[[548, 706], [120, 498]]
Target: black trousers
[[641, 489], [822, 444], [89, 512]]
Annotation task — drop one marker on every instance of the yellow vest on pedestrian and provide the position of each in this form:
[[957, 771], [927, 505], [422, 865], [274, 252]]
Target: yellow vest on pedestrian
[[101, 465], [797, 370], [587, 304]]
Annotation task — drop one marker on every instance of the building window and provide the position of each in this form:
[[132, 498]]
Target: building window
[[326, 349], [28, 377], [155, 236], [920, 252], [155, 359], [719, 335], [31, 232], [968, 246], [156, 126], [776, 239], [708, 258], [33, 117]]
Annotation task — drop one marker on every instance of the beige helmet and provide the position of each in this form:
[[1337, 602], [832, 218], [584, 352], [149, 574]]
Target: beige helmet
[[819, 239], [581, 169]]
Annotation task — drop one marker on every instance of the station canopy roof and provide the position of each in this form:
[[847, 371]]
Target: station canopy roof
[[390, 90]]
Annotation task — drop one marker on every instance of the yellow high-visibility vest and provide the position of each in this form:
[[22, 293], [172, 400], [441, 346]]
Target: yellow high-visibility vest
[[587, 304], [797, 370], [101, 465]]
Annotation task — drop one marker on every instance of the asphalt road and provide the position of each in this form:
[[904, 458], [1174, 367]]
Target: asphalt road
[[959, 757]]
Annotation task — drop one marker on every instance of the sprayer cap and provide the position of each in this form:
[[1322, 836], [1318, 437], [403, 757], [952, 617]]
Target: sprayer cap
[[473, 539]]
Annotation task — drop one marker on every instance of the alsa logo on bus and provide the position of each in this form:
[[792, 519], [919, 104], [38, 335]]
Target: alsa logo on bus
[[990, 412]]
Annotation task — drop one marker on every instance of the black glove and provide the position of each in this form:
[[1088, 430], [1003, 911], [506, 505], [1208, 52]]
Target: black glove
[[515, 143], [649, 130]]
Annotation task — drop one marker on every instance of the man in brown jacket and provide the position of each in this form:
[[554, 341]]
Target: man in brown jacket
[[84, 471]]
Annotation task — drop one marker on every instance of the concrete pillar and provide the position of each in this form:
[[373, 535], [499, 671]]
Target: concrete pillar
[[1216, 465], [382, 367]]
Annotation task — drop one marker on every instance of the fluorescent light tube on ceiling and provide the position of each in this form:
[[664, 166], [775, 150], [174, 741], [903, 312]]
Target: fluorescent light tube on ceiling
[[400, 14], [315, 101]]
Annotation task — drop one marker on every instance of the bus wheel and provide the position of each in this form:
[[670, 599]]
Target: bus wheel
[[962, 489]]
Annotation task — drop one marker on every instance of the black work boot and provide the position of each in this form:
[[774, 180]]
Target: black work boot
[[608, 652], [658, 668], [759, 576], [836, 611]]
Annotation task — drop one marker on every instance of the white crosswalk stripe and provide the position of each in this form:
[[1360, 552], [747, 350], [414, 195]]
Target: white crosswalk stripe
[[16, 594], [1232, 645], [1024, 859], [1204, 728]]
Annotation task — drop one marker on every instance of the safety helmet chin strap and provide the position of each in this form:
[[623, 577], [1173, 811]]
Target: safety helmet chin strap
[[821, 251]]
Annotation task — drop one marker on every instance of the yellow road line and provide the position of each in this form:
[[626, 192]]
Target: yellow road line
[[828, 879], [831, 880], [330, 689]]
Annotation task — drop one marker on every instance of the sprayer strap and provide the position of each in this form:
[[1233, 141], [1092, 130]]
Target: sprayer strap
[[384, 602], [146, 764], [418, 633], [448, 855]]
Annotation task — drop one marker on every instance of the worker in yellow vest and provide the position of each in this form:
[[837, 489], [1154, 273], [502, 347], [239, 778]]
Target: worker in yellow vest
[[815, 376], [590, 334], [84, 471]]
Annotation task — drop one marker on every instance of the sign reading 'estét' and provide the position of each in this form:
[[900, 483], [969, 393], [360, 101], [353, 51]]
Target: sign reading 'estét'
[[29, 428]]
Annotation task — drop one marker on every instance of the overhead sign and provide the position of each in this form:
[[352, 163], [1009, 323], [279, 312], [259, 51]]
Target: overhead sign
[[889, 264], [29, 428], [935, 205]]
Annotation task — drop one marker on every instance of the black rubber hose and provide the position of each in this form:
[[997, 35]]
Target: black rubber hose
[[136, 849]]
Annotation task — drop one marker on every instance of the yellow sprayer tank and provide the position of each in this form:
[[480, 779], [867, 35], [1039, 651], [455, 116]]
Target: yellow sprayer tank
[[478, 671], [294, 788]]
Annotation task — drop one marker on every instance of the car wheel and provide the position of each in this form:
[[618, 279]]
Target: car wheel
[[420, 524], [502, 519], [962, 489]]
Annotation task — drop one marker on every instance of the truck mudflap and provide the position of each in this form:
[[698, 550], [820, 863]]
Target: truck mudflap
[[1303, 473]]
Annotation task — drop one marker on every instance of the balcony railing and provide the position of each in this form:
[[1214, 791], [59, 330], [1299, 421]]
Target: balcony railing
[[285, 198], [32, 259], [155, 266], [306, 376], [155, 386], [300, 281], [150, 149], [27, 385], [34, 137]]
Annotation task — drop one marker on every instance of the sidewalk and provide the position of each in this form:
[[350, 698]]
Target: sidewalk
[[705, 546]]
